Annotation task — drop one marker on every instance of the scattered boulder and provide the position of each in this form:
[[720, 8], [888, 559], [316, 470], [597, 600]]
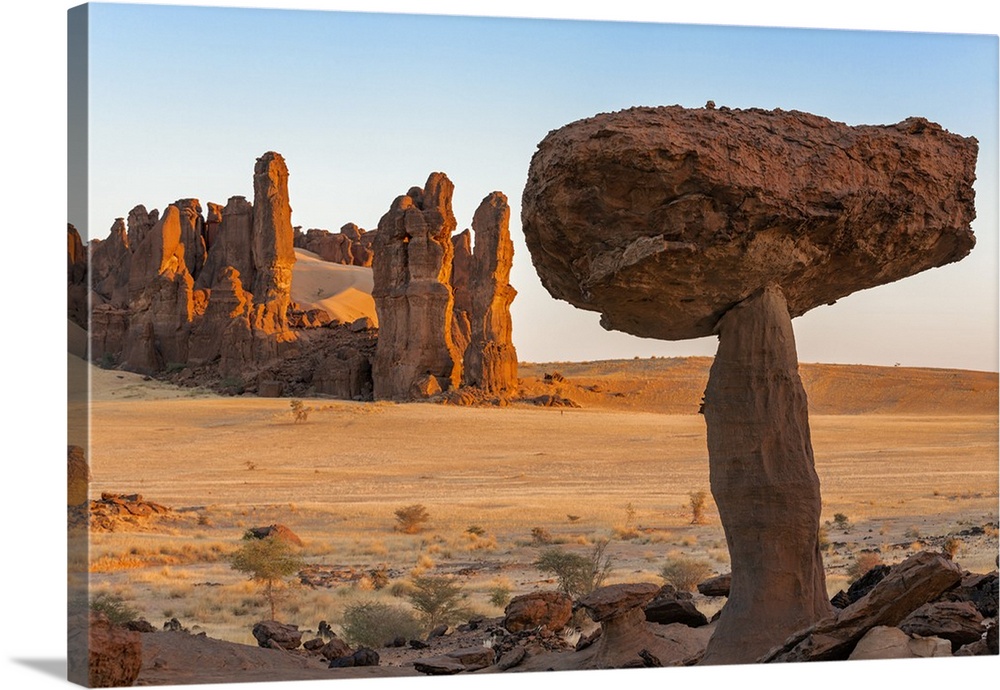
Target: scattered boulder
[[362, 657], [717, 586], [273, 633], [278, 531], [958, 622], [551, 610], [860, 587], [885, 642], [919, 579], [115, 654], [980, 590], [457, 661], [335, 648], [670, 606]]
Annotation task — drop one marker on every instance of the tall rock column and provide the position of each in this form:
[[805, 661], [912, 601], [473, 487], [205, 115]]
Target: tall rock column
[[411, 269], [272, 249], [763, 480], [490, 361]]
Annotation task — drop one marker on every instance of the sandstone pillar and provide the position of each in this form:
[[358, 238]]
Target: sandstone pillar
[[764, 482]]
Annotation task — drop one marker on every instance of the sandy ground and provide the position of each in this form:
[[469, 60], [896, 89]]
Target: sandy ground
[[345, 292], [612, 470]]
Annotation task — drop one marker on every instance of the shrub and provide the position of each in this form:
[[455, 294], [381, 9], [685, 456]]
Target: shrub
[[685, 572], [373, 623], [411, 519], [841, 521], [578, 575], [475, 530], [499, 595], [438, 599], [951, 546], [540, 535], [863, 562], [267, 561], [299, 411], [114, 607], [697, 501]]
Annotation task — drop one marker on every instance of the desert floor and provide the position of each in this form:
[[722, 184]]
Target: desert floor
[[531, 478]]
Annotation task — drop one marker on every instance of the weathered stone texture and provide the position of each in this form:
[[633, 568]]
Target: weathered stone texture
[[412, 292], [490, 361], [681, 213]]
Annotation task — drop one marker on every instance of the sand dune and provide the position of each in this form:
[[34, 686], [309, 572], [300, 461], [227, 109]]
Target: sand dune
[[345, 292]]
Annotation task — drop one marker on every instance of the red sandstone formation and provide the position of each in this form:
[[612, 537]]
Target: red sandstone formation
[[352, 246], [272, 250], [490, 361], [416, 354], [677, 223]]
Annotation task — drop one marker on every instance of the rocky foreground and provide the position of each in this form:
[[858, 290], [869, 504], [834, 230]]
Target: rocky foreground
[[926, 606]]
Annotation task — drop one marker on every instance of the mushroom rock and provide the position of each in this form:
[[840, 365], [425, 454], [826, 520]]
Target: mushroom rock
[[619, 610], [490, 361], [272, 249], [676, 223], [411, 272]]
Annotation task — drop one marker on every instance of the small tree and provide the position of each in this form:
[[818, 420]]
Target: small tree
[[578, 575], [268, 562], [438, 599], [697, 499], [684, 572], [411, 519]]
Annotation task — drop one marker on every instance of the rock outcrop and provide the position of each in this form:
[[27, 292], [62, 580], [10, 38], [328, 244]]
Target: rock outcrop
[[352, 246], [919, 579], [115, 654], [551, 610], [272, 248], [677, 223], [413, 298], [490, 361]]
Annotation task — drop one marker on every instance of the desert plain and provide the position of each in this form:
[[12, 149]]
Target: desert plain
[[907, 459]]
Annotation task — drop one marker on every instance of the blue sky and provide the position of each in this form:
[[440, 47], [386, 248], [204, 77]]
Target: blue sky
[[364, 106]]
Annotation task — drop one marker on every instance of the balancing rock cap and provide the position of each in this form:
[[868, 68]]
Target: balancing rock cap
[[663, 218]]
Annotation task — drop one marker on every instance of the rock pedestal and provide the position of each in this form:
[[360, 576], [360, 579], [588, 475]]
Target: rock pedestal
[[764, 482]]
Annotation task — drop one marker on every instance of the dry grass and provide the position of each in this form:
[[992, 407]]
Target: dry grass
[[571, 475]]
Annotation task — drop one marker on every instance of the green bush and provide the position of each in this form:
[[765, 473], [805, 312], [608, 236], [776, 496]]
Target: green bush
[[438, 600], [685, 572], [499, 595], [578, 574], [114, 607], [373, 623]]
